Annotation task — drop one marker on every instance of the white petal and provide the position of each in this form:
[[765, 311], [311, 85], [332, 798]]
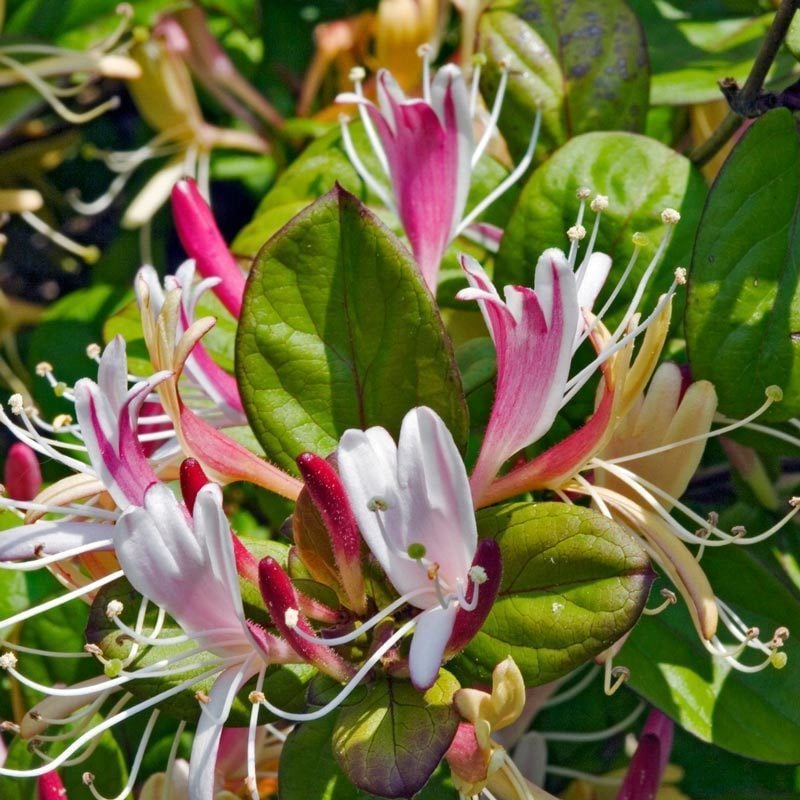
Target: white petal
[[112, 374], [591, 277], [440, 511], [206, 739], [431, 635]]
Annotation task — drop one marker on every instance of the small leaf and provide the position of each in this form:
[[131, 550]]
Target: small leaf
[[574, 582], [585, 66], [338, 331], [640, 176], [754, 715], [309, 770], [392, 741], [743, 306]]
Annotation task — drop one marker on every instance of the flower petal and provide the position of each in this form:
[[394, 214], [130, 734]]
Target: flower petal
[[430, 638]]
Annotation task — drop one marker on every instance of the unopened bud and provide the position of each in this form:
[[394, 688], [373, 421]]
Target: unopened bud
[[22, 474]]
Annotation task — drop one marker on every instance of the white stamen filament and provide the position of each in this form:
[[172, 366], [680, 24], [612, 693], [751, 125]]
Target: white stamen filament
[[350, 686], [361, 169], [698, 438], [60, 601], [491, 124], [372, 135], [576, 383], [335, 641], [105, 725], [38, 563], [575, 241], [595, 736], [566, 772], [573, 690], [515, 175], [251, 739]]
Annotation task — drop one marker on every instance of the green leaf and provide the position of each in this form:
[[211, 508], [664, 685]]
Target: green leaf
[[338, 331], [477, 362], [585, 66], [392, 741], [754, 715], [573, 583], [640, 176], [743, 307], [308, 769], [691, 48]]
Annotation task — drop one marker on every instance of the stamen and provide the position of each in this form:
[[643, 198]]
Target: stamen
[[670, 598], [60, 601], [357, 633], [491, 124], [478, 60], [361, 169], [350, 686], [105, 725], [614, 677], [137, 763], [574, 690], [594, 736], [43, 561], [251, 735], [424, 52], [501, 189]]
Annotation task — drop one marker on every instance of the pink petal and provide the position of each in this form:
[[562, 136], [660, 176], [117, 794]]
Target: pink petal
[[425, 163], [203, 242], [232, 461], [533, 333]]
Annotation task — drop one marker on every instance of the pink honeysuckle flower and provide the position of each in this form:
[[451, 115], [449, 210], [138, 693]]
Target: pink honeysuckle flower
[[425, 146], [203, 242], [108, 413], [647, 766], [414, 509], [214, 386], [50, 787], [187, 566], [533, 332]]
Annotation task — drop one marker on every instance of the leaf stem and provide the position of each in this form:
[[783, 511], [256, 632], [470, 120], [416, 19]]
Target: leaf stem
[[755, 81]]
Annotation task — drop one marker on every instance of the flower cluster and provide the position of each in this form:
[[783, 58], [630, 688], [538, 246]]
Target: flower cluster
[[398, 558]]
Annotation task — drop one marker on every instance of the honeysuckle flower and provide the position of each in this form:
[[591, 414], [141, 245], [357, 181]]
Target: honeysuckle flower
[[533, 331], [187, 34], [536, 333], [107, 413], [171, 343], [425, 146], [166, 99], [414, 509], [200, 237], [477, 762]]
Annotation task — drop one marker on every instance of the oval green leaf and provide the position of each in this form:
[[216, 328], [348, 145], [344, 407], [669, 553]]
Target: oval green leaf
[[391, 742], [743, 307], [338, 331], [639, 175], [585, 66], [573, 583]]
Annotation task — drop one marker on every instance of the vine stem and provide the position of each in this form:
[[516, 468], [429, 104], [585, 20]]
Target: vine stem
[[755, 81]]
